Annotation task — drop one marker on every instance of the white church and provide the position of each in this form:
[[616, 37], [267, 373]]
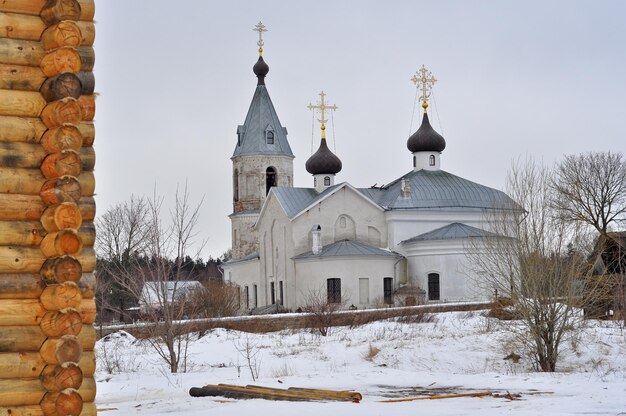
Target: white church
[[403, 244]]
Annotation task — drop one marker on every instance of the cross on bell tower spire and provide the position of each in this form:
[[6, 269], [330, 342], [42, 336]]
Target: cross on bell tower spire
[[424, 80], [260, 27], [322, 107]]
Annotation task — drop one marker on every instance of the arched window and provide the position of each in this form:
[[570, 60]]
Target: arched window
[[326, 180], [269, 137], [433, 286], [270, 179], [431, 160], [414, 161], [236, 185]]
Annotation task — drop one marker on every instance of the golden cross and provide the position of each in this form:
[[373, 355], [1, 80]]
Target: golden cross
[[260, 27], [322, 107], [424, 81]]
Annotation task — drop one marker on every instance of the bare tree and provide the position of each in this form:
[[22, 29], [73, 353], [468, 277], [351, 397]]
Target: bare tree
[[539, 261], [322, 309], [215, 299], [591, 189], [155, 276]]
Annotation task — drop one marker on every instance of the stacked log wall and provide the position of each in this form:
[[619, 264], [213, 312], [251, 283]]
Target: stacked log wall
[[47, 284]]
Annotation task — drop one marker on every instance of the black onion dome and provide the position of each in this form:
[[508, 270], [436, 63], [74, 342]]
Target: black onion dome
[[426, 139], [260, 70], [323, 161]]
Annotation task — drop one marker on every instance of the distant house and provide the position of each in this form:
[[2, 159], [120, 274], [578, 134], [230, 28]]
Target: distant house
[[156, 293], [609, 261]]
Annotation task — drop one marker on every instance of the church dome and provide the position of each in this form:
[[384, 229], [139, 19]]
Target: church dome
[[261, 69], [426, 139], [323, 161]]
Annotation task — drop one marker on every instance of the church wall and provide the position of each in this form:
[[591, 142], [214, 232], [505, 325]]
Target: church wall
[[244, 274], [244, 237], [369, 221], [312, 275]]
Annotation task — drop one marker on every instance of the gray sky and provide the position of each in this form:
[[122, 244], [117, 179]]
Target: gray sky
[[543, 78]]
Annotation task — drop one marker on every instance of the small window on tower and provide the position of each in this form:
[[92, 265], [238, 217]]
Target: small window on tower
[[432, 160], [414, 161], [326, 180], [269, 135]]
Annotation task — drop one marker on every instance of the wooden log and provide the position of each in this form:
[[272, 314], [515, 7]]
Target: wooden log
[[60, 164], [60, 190], [56, 378], [87, 58], [61, 86], [62, 34], [62, 138], [87, 233], [61, 243], [33, 7], [87, 107], [87, 130], [87, 390], [58, 217], [34, 410], [21, 312], [61, 350], [59, 323], [61, 296], [61, 270], [21, 233], [87, 310], [21, 52], [87, 285], [21, 365], [20, 26], [21, 103], [21, 392], [27, 286], [21, 129], [31, 260], [20, 77], [88, 32], [87, 81], [55, 11], [60, 60], [65, 403], [31, 338], [58, 113], [87, 363], [29, 155], [30, 207]]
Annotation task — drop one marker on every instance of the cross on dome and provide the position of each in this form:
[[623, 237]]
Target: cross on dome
[[424, 81], [260, 27], [322, 107]]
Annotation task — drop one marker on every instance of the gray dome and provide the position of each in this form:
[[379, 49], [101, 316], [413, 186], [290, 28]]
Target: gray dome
[[260, 70], [323, 161], [426, 139]]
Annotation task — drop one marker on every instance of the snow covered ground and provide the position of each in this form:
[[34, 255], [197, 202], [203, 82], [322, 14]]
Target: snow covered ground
[[456, 353]]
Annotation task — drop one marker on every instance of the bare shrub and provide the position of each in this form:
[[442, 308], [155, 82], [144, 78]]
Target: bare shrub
[[214, 299], [322, 310], [249, 350], [371, 352]]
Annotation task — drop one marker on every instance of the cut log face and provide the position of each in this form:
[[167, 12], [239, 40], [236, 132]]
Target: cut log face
[[20, 77], [61, 243], [64, 322], [62, 86], [55, 11], [61, 60], [65, 403], [60, 190], [64, 163], [61, 350], [62, 138], [58, 217], [62, 269], [62, 296], [56, 378], [62, 34], [58, 113]]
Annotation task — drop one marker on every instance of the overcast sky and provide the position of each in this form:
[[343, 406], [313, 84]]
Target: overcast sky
[[543, 78]]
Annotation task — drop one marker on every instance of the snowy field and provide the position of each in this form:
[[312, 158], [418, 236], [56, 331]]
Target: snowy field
[[455, 353]]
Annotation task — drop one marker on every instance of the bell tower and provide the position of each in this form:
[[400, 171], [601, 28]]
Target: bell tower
[[262, 159]]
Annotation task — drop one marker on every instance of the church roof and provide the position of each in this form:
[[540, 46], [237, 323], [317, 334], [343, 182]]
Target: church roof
[[251, 256], [438, 189], [323, 161], [426, 139], [345, 248], [452, 231], [294, 200], [261, 119]]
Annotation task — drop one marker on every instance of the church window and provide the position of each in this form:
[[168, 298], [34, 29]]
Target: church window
[[273, 292], [255, 293], [235, 236], [314, 181], [342, 222], [280, 293], [414, 161], [388, 290], [246, 296], [236, 185], [364, 291], [326, 180], [270, 179], [333, 289], [433, 286], [431, 160], [269, 137]]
